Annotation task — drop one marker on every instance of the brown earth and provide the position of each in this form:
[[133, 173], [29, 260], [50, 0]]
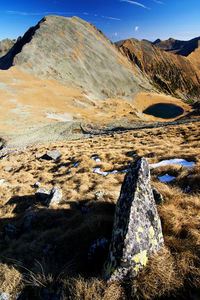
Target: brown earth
[[30, 104]]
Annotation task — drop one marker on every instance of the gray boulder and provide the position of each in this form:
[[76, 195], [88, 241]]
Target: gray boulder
[[49, 197], [137, 231], [55, 196], [52, 155]]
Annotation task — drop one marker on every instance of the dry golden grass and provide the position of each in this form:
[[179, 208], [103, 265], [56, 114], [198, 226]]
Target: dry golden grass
[[60, 237]]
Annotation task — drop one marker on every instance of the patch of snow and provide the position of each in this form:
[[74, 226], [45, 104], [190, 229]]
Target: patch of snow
[[76, 165], [80, 103], [60, 117], [189, 176], [98, 171], [2, 181], [105, 173], [166, 178], [113, 172], [124, 171], [175, 161], [62, 166], [96, 158]]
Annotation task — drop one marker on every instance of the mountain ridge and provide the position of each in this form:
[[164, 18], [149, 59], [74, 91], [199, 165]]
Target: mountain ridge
[[73, 51]]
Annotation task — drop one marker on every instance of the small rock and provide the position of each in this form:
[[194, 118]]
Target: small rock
[[5, 296], [55, 196], [158, 197], [52, 155], [99, 195]]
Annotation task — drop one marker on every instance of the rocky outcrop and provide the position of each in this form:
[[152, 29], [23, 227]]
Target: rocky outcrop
[[170, 73], [49, 197], [137, 231]]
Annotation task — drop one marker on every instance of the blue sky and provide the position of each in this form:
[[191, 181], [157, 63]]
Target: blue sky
[[118, 19]]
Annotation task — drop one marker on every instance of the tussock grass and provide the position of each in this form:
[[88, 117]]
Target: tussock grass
[[61, 237]]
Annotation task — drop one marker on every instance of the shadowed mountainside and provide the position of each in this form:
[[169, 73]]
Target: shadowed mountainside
[[170, 73], [183, 48], [77, 54]]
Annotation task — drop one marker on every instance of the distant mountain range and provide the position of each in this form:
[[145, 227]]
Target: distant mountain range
[[184, 48]]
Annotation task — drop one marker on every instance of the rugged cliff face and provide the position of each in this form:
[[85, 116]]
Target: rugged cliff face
[[74, 52], [174, 74]]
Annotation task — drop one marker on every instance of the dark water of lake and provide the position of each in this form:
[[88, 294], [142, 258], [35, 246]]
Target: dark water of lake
[[164, 110]]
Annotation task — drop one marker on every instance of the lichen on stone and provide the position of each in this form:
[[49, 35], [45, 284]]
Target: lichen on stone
[[137, 231]]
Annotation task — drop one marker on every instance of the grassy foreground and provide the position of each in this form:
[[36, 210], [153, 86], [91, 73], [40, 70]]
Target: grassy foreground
[[54, 250]]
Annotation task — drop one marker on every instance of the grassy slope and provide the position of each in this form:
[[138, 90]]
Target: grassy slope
[[55, 249]]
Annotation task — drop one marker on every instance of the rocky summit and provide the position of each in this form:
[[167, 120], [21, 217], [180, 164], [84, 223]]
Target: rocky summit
[[137, 231]]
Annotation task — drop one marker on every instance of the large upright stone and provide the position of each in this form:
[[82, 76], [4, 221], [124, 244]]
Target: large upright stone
[[137, 231]]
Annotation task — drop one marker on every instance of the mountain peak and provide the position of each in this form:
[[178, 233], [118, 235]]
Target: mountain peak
[[76, 53]]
